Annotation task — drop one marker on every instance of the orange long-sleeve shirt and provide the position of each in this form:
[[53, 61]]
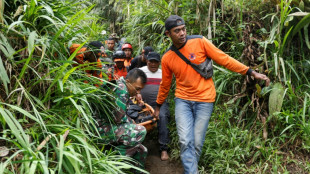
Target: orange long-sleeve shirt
[[190, 85], [79, 58], [127, 62]]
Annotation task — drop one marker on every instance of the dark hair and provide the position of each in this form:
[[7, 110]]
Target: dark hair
[[110, 38], [147, 49], [134, 74], [95, 46]]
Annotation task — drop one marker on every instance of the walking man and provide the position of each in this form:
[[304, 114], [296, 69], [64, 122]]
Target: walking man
[[194, 94], [119, 70], [127, 48], [149, 95], [140, 61]]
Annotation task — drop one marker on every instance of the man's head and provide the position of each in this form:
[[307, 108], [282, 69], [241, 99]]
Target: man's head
[[94, 51], [135, 81], [176, 30], [111, 44], [115, 37], [127, 48], [145, 52], [119, 58], [153, 61]]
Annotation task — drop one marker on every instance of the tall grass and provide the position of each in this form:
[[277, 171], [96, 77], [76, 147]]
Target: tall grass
[[45, 105], [254, 129]]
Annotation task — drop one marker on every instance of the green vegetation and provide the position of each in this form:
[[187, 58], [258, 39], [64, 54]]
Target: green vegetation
[[254, 129], [46, 108]]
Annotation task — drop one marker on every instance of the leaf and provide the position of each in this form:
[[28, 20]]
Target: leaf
[[4, 77], [298, 14], [4, 151], [31, 39], [303, 22], [22, 111], [307, 36], [16, 23], [5, 47], [68, 74], [288, 20], [288, 127], [16, 129], [284, 40], [276, 98], [48, 9]]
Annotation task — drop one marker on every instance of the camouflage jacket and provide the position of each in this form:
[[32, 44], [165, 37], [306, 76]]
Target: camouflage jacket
[[122, 103]]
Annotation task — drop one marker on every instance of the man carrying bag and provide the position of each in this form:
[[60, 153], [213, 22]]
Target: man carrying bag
[[195, 92]]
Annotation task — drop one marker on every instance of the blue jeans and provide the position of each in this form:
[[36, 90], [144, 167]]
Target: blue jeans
[[192, 120], [163, 131]]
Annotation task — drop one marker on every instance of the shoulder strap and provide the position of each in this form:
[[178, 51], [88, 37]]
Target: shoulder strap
[[194, 37], [173, 48]]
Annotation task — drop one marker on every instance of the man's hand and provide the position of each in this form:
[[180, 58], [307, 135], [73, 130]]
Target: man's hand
[[156, 113], [260, 76]]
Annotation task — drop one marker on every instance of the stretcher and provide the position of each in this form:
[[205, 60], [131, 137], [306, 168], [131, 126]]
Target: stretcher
[[149, 124]]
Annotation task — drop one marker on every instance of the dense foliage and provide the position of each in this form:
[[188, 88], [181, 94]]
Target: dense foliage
[[254, 129], [46, 108]]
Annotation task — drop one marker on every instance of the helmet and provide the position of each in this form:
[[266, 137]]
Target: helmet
[[126, 45], [119, 55]]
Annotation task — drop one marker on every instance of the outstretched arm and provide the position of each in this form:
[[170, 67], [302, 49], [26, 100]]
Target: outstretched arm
[[260, 76]]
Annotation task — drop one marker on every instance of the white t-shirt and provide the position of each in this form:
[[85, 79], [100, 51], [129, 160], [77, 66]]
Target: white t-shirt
[[150, 90]]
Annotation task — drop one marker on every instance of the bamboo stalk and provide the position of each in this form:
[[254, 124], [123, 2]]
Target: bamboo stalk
[[44, 142], [1, 10]]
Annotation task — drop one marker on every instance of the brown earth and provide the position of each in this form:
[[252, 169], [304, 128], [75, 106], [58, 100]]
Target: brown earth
[[154, 164]]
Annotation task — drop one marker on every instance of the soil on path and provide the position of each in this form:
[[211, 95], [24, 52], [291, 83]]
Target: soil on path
[[155, 165]]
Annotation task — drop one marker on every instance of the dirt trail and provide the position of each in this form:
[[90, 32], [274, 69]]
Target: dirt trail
[[155, 165]]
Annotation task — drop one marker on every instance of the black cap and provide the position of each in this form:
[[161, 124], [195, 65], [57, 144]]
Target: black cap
[[173, 21], [153, 56], [147, 50]]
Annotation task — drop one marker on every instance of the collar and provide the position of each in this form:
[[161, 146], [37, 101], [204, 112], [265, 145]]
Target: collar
[[182, 45]]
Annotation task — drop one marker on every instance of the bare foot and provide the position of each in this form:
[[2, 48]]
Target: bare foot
[[164, 156]]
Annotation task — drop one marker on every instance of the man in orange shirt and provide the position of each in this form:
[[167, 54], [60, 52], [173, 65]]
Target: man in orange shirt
[[119, 69], [194, 94], [89, 54], [127, 48]]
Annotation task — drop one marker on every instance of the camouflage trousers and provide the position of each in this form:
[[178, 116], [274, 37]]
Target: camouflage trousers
[[127, 138]]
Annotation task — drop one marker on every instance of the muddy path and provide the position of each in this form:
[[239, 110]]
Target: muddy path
[[154, 164]]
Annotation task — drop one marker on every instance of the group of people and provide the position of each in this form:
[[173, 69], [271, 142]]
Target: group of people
[[141, 76], [135, 77]]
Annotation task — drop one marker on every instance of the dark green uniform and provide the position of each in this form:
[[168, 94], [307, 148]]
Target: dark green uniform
[[127, 135]]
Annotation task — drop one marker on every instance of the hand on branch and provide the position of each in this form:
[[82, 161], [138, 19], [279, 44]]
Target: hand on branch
[[260, 76]]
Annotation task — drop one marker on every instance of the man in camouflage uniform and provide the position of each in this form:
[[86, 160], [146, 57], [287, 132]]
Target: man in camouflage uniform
[[122, 130]]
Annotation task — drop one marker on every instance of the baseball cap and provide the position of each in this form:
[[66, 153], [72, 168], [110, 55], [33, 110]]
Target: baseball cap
[[153, 56], [173, 21]]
